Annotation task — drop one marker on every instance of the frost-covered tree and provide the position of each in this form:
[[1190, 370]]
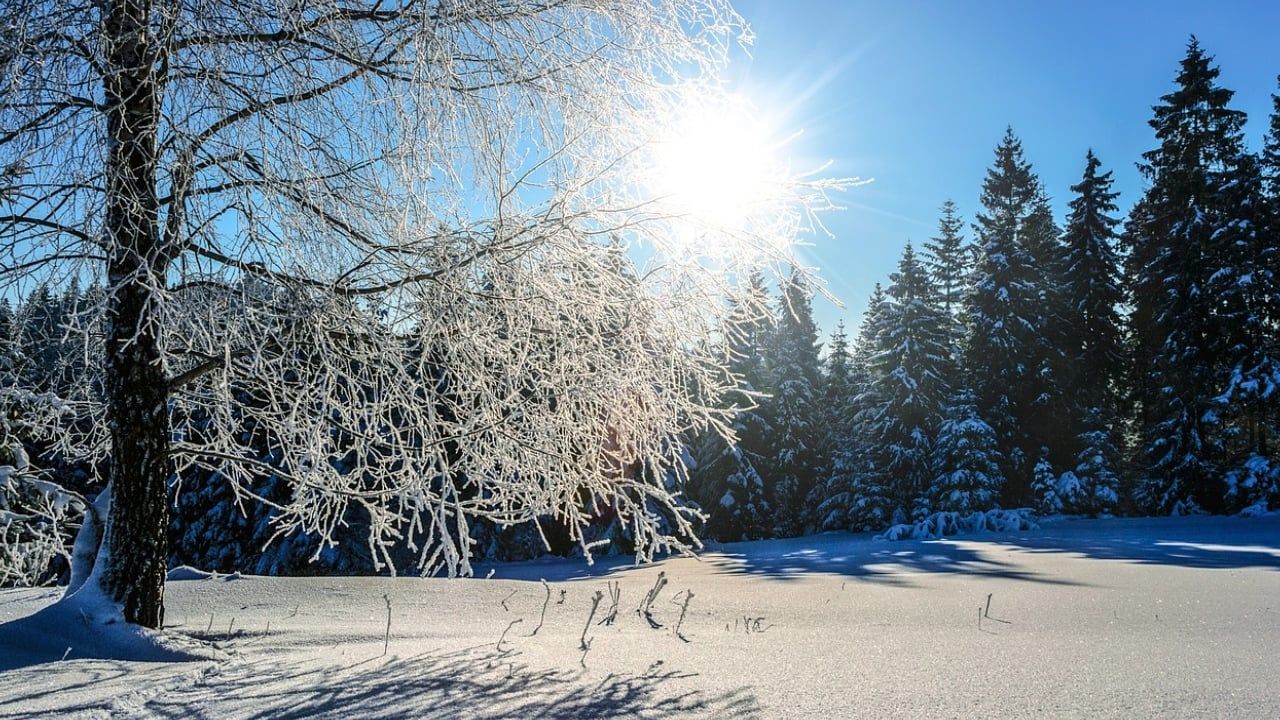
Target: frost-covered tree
[[796, 438], [909, 373], [1192, 239], [37, 516], [967, 474], [294, 200]]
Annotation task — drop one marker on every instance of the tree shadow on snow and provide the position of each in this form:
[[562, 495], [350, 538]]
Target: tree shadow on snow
[[1221, 543], [860, 558], [1194, 542], [472, 683]]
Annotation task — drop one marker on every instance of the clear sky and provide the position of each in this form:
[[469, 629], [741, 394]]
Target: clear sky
[[916, 94]]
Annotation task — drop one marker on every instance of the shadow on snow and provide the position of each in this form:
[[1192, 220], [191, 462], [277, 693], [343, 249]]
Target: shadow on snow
[[476, 683]]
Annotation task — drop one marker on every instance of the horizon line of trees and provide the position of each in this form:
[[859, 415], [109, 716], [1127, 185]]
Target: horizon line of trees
[[1096, 367]]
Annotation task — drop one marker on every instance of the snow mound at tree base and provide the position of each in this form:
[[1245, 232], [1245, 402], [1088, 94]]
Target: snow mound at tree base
[[86, 625], [942, 524]]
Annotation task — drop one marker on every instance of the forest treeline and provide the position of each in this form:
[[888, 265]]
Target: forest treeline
[[1090, 366], [1097, 366]]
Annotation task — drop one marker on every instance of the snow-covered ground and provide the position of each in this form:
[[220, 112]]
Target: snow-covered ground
[[1107, 618]]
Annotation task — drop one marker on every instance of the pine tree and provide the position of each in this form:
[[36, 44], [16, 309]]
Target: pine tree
[[1188, 239], [1051, 421], [850, 498], [1098, 485], [1093, 340], [909, 380], [834, 411], [1246, 290], [1005, 352], [1271, 152], [1046, 487], [728, 485], [967, 475], [795, 442], [949, 260]]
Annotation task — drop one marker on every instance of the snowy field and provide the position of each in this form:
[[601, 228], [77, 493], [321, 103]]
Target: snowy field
[[1115, 618]]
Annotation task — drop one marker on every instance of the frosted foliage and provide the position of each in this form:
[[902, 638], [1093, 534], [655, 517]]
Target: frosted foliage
[[398, 240], [37, 519]]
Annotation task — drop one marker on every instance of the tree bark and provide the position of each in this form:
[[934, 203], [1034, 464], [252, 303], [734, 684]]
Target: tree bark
[[134, 540]]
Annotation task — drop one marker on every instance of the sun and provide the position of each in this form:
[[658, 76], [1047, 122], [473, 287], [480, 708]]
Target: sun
[[717, 165]]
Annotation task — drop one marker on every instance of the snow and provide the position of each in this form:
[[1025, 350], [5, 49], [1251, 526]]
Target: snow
[[1161, 617]]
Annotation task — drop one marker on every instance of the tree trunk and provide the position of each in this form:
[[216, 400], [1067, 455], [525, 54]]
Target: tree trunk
[[134, 541]]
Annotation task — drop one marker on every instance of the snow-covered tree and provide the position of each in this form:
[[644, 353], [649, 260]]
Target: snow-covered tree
[[909, 372], [1095, 476], [967, 474], [834, 412], [1271, 150], [1094, 343], [1051, 491], [295, 200], [1191, 236], [796, 438], [726, 481], [1004, 352], [852, 496], [949, 259]]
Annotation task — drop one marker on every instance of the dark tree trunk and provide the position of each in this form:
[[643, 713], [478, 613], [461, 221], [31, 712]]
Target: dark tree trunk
[[135, 541]]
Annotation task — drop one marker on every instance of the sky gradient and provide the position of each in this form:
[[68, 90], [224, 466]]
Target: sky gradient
[[916, 95]]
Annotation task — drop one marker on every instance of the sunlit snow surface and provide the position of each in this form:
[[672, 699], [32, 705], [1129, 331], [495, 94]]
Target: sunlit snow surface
[[1106, 618]]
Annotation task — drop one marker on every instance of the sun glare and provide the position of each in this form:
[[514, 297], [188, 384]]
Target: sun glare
[[718, 165]]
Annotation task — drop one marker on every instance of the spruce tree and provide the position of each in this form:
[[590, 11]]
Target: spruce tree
[[849, 498], [909, 380], [1093, 341], [727, 483], [834, 411], [1095, 471], [967, 475], [795, 440], [1191, 325], [1004, 350], [1271, 152], [949, 259]]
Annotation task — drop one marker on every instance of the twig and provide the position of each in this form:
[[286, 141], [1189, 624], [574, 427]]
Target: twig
[[563, 592], [513, 623], [688, 595], [584, 644], [545, 602], [615, 592], [646, 605], [386, 637], [987, 612], [505, 599]]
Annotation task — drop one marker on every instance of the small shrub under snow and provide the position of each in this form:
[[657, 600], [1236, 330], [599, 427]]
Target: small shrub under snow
[[942, 524]]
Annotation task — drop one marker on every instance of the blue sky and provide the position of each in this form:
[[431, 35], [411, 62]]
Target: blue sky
[[916, 94]]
